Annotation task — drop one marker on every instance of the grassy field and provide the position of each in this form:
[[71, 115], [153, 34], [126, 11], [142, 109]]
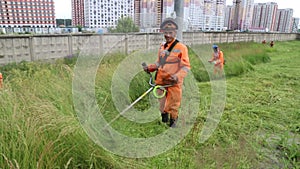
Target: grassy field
[[260, 126]]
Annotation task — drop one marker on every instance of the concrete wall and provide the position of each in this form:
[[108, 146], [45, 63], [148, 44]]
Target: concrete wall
[[42, 47]]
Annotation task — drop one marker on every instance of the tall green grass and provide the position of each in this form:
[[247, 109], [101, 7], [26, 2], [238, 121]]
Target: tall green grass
[[259, 127], [39, 128]]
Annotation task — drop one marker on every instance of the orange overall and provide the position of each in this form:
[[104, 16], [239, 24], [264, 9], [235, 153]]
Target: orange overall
[[218, 58], [177, 64]]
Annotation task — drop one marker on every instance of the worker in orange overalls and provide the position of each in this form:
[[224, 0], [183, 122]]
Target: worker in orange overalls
[[271, 44], [218, 60], [171, 66]]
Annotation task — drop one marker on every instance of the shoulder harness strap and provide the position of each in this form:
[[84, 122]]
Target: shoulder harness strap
[[162, 60]]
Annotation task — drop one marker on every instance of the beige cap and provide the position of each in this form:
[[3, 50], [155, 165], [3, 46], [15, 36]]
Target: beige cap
[[169, 24]]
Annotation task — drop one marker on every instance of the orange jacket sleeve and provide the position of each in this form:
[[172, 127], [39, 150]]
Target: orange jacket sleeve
[[184, 64]]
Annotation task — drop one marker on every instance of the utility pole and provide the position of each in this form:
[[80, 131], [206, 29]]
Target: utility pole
[[178, 8]]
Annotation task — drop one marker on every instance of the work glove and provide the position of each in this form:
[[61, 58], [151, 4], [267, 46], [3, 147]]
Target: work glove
[[150, 68], [173, 79], [213, 62]]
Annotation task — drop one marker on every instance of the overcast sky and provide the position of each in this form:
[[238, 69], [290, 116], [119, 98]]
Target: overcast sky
[[63, 8]]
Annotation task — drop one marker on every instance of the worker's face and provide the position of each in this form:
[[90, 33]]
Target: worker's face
[[215, 50], [169, 35]]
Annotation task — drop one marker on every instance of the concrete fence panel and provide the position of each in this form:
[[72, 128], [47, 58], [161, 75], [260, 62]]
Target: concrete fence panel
[[154, 40], [17, 48], [136, 42], [14, 49]]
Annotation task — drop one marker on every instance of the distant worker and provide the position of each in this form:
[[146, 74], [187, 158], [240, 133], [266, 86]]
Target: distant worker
[[218, 60], [263, 42], [271, 44]]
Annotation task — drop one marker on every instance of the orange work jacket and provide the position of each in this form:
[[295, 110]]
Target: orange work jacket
[[218, 57], [172, 63]]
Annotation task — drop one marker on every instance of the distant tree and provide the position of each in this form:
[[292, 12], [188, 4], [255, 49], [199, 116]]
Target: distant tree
[[79, 28], [125, 25]]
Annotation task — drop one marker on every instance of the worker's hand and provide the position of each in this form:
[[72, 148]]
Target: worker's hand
[[150, 68], [172, 79]]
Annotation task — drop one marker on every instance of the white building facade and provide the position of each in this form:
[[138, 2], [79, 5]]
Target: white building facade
[[27, 15], [206, 15], [213, 15], [195, 13], [284, 20], [106, 13], [264, 15], [247, 14]]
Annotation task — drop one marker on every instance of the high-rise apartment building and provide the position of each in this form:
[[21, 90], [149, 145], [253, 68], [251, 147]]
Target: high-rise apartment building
[[220, 13], [213, 15], [167, 8], [27, 13], [284, 20], [137, 11], [229, 15], [206, 15], [195, 13], [264, 15], [149, 14], [106, 13], [152, 12], [246, 8], [242, 15], [186, 17], [78, 12], [209, 15]]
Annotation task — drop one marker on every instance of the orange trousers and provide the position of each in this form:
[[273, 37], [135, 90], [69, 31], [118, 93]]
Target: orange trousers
[[171, 102], [218, 69]]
